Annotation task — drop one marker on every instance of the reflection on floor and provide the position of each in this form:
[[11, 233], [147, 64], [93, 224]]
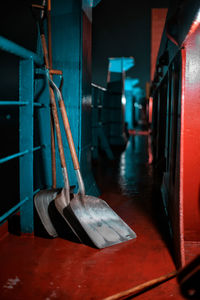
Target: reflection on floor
[[41, 268]]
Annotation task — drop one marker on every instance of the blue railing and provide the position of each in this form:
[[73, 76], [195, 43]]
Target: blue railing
[[27, 62]]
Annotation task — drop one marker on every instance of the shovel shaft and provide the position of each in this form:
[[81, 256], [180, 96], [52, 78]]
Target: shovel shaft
[[69, 135], [69, 138], [53, 106], [142, 287], [48, 63], [53, 153], [49, 31]]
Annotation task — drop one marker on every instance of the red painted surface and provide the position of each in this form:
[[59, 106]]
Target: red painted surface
[[190, 142], [39, 268], [150, 109], [3, 230], [158, 17]]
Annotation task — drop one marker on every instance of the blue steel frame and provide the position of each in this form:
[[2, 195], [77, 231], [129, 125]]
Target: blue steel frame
[[26, 105]]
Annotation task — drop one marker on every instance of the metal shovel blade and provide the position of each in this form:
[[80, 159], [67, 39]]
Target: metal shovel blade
[[60, 204], [92, 216], [42, 200]]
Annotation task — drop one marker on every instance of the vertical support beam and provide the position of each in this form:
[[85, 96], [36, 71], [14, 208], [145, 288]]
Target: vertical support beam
[[26, 143], [95, 96]]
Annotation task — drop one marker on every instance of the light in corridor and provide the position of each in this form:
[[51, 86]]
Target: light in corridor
[[123, 100]]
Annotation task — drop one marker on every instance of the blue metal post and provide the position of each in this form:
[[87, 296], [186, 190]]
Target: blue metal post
[[26, 81]]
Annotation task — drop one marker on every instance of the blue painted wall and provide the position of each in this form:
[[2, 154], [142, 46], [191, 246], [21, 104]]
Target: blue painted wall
[[71, 41]]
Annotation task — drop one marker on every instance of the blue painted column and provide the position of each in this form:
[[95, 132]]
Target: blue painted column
[[129, 87], [71, 42], [116, 96], [129, 109], [42, 137], [26, 79]]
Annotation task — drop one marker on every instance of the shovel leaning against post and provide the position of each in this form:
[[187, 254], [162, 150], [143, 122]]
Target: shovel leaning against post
[[45, 197], [88, 215]]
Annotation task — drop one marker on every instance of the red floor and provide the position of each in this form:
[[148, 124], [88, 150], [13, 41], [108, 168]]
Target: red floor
[[39, 268]]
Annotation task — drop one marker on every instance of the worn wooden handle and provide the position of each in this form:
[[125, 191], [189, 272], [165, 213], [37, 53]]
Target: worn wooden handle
[[56, 72], [69, 135], [45, 52], [57, 127], [53, 152], [142, 287], [53, 107]]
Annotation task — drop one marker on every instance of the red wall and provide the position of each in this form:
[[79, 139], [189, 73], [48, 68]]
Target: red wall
[[190, 137], [158, 16]]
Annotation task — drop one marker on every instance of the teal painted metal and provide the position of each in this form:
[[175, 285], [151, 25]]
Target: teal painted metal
[[13, 103], [71, 47], [19, 51], [120, 64], [10, 157], [42, 159], [26, 91], [66, 49], [19, 154], [86, 102], [129, 87], [116, 96], [18, 103], [26, 81], [96, 106], [13, 210], [129, 109], [70, 32], [130, 84]]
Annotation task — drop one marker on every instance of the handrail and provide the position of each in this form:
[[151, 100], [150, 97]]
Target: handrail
[[21, 103], [28, 62], [13, 103], [12, 210], [19, 154], [13, 48]]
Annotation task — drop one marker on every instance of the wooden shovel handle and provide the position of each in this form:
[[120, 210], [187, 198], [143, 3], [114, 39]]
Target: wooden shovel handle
[[53, 152], [69, 135], [142, 287], [53, 107], [49, 32]]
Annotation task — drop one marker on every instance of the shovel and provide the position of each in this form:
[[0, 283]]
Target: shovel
[[43, 199], [89, 216]]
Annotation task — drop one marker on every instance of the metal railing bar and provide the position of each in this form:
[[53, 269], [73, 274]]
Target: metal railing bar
[[41, 105], [36, 191], [38, 148], [10, 157], [36, 104], [16, 103], [13, 48], [13, 209], [20, 103]]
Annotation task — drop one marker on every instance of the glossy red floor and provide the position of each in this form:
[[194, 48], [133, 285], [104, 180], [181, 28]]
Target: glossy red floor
[[41, 268]]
